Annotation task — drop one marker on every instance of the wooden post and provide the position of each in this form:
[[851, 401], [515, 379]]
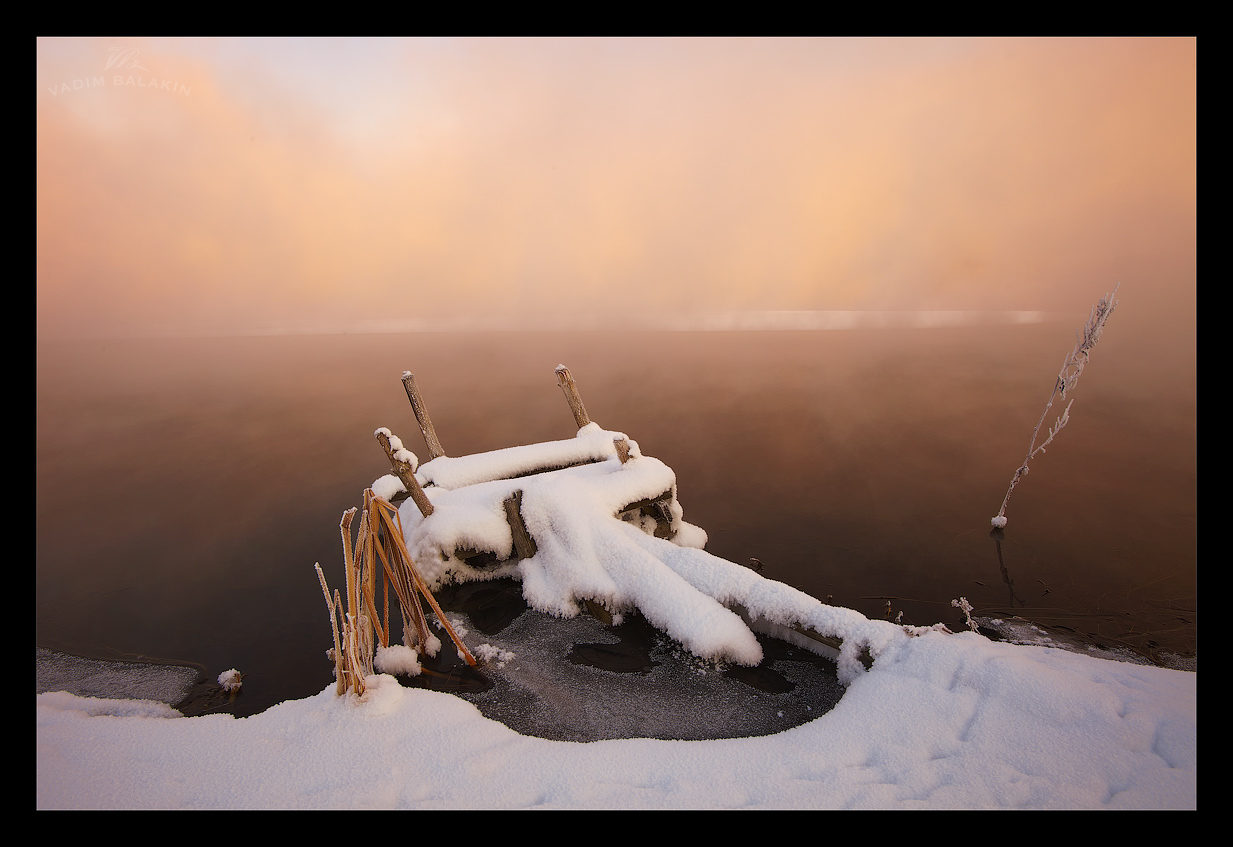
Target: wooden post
[[405, 474], [663, 518], [571, 396], [421, 416], [524, 544], [622, 448]]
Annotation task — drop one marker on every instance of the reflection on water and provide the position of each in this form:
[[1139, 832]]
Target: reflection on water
[[186, 487]]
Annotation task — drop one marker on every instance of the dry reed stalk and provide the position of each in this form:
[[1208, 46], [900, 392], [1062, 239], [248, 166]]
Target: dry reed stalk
[[377, 551], [338, 666], [357, 592], [385, 598], [344, 529], [413, 619], [355, 653], [368, 570], [390, 582], [370, 586], [368, 647], [352, 629], [382, 636], [356, 627], [353, 679], [394, 532]]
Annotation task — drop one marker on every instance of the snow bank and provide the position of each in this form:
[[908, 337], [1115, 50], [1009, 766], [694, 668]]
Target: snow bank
[[939, 722]]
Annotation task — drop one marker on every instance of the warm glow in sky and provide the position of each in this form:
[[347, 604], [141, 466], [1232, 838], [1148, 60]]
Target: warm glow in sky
[[201, 184]]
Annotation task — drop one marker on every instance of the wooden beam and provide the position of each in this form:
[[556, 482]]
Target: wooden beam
[[524, 544], [421, 416], [571, 396], [404, 473]]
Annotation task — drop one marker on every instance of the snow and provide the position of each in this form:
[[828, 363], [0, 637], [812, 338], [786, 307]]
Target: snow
[[710, 605], [496, 655], [937, 719], [592, 444], [388, 486], [397, 659]]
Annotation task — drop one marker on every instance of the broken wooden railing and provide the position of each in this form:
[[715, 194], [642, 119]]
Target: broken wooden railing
[[403, 464], [653, 514]]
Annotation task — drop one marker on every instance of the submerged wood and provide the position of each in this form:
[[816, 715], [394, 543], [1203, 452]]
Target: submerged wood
[[421, 415]]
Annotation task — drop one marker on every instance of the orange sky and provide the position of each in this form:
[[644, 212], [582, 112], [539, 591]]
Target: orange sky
[[220, 184]]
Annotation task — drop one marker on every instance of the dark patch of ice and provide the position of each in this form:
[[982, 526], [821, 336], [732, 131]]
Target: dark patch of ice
[[118, 680], [579, 679]]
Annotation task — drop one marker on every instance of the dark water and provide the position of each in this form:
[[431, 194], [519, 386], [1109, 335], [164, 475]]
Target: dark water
[[186, 487]]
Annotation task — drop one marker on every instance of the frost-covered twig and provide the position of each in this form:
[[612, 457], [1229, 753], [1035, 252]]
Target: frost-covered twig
[[1067, 377], [337, 654], [963, 604]]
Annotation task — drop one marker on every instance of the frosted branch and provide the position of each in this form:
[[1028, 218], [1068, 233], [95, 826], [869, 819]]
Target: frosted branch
[[1067, 378]]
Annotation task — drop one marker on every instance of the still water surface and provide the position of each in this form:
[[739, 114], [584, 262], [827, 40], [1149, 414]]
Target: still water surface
[[185, 488]]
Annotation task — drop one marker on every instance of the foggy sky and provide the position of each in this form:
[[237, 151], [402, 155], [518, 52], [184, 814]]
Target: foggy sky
[[213, 184]]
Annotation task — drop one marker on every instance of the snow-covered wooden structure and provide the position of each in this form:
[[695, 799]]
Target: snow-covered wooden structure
[[591, 522]]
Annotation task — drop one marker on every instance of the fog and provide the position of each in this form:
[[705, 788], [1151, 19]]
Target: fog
[[254, 185]]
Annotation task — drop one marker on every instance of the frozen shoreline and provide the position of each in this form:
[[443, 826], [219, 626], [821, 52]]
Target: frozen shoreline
[[163, 682], [941, 721]]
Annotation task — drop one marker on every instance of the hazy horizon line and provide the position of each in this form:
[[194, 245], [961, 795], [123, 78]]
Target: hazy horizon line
[[820, 320]]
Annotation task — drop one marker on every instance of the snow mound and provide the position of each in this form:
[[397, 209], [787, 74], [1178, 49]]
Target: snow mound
[[397, 659]]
